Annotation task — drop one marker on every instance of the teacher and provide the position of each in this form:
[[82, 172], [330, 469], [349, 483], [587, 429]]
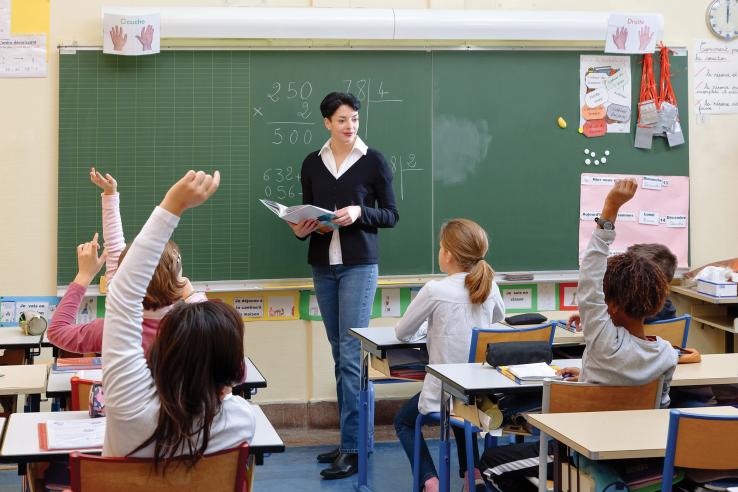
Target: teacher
[[355, 181]]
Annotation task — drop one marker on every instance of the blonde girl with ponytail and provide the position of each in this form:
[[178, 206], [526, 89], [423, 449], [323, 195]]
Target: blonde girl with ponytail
[[445, 311]]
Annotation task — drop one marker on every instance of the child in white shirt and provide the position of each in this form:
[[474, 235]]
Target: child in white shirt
[[179, 403], [447, 310]]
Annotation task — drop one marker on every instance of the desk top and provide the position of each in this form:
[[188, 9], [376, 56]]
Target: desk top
[[23, 380], [13, 337], [59, 381], [600, 436], [378, 339], [714, 369], [20, 444], [703, 297], [470, 379]]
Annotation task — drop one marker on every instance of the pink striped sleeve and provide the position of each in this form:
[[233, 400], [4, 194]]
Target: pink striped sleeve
[[113, 238]]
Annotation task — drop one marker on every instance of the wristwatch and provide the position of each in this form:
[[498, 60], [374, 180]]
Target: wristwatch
[[605, 224]]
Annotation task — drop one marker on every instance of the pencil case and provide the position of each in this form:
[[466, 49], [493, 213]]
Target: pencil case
[[526, 319], [513, 353]]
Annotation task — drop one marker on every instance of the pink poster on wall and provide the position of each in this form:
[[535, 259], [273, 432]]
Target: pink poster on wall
[[659, 213]]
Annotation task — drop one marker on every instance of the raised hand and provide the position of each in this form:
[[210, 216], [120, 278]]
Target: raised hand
[[644, 37], [622, 191], [119, 38], [88, 261], [620, 37], [107, 183], [146, 37], [347, 215], [192, 190]]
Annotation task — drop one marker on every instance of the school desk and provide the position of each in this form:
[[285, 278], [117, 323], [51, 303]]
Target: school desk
[[12, 337], [26, 379], [465, 381], [600, 436], [375, 343], [59, 386], [719, 313], [20, 442]]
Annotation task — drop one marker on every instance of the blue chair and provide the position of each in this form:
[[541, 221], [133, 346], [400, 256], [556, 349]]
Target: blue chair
[[700, 441], [477, 352], [675, 330]]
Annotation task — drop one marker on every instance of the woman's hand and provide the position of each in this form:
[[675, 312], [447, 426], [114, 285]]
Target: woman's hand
[[108, 184], [347, 215], [569, 373], [192, 190], [304, 228], [574, 321], [88, 261]]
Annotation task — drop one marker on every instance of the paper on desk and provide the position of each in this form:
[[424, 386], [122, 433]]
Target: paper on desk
[[75, 434], [23, 56]]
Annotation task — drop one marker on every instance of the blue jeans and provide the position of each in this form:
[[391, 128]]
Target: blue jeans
[[345, 296], [405, 429]]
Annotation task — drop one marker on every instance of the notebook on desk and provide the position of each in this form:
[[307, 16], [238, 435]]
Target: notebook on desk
[[57, 435], [529, 373], [77, 363]]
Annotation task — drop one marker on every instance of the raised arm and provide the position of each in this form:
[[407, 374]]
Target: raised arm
[[114, 241], [128, 383], [590, 294]]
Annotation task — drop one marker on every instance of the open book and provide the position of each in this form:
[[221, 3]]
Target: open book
[[529, 373], [297, 213]]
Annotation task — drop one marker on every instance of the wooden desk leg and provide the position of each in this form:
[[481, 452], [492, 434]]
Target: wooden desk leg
[[558, 451]]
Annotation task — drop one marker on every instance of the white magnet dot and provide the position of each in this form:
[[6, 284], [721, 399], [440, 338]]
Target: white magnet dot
[[587, 162], [603, 160], [607, 152], [586, 151], [592, 154], [597, 163]]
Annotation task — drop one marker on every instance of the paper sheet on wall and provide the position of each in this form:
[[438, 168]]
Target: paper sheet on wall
[[715, 77], [391, 303], [131, 35], [249, 307], [23, 56], [282, 306], [633, 33], [4, 18], [604, 92], [652, 216], [547, 297]]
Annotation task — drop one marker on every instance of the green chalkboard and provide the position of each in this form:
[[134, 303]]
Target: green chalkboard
[[468, 134]]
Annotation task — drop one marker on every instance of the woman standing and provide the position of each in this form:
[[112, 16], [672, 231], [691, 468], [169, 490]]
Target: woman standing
[[355, 181]]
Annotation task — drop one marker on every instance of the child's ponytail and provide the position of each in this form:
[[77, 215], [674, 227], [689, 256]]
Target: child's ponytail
[[467, 243]]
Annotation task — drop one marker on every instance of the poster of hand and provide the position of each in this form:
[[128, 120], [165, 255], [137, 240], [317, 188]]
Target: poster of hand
[[118, 28], [633, 33]]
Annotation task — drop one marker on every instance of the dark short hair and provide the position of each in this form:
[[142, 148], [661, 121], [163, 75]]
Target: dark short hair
[[335, 100], [635, 284], [659, 254]]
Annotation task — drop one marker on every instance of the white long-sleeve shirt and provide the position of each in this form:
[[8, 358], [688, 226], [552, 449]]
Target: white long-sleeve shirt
[[612, 355], [131, 400], [450, 315]]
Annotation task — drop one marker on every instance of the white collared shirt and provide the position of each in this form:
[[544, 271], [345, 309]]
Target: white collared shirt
[[326, 154]]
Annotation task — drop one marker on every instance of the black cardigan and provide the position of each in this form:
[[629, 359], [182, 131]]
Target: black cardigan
[[367, 183]]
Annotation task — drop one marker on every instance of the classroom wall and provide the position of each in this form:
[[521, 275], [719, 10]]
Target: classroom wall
[[298, 366]]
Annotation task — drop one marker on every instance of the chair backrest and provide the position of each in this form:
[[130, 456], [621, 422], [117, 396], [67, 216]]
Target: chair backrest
[[224, 471], [481, 337], [80, 399], [569, 396], [700, 441], [675, 330]]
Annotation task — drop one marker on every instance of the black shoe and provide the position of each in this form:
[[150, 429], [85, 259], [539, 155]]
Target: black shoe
[[345, 465], [328, 457]]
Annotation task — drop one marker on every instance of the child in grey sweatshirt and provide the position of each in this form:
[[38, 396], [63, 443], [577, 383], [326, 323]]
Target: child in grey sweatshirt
[[615, 296]]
